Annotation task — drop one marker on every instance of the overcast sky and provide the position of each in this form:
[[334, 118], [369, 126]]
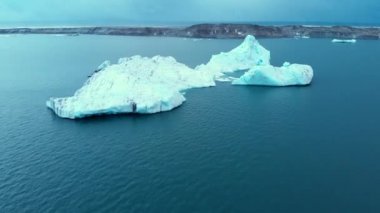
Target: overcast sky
[[124, 12]]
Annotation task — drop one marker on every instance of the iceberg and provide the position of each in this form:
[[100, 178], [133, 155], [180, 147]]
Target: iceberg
[[268, 75], [247, 55], [134, 85], [149, 85], [251, 56], [260, 72], [344, 41]]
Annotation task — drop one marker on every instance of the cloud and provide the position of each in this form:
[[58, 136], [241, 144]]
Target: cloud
[[151, 11]]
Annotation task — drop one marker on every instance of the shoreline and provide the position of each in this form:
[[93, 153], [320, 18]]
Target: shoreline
[[215, 31]]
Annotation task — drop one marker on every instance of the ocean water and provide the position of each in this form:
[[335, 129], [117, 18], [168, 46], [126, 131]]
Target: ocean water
[[227, 149]]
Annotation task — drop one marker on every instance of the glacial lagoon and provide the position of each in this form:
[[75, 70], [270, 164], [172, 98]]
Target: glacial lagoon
[[227, 148]]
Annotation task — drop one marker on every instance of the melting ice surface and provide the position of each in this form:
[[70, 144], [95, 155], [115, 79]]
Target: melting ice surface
[[149, 85]]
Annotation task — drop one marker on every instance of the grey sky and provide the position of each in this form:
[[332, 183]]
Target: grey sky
[[92, 12]]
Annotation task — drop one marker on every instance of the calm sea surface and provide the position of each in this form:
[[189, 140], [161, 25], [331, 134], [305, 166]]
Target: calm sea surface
[[227, 149]]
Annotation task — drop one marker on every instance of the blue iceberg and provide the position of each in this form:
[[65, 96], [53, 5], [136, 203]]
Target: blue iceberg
[[287, 75]]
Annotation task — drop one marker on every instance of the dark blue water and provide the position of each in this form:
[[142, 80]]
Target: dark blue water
[[227, 149]]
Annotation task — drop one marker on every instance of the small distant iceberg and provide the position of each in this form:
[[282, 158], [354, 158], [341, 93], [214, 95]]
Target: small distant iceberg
[[287, 75], [299, 36], [58, 35], [344, 41], [149, 85]]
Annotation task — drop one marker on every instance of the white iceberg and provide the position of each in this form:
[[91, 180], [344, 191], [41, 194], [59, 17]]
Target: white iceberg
[[247, 55], [134, 85], [149, 85], [344, 41], [287, 75], [251, 56]]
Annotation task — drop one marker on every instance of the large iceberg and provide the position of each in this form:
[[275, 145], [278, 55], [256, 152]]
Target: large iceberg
[[134, 85], [287, 75], [148, 85]]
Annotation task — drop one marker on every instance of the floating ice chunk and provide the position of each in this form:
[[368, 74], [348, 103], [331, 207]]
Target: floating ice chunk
[[247, 55], [344, 41], [267, 75], [134, 85]]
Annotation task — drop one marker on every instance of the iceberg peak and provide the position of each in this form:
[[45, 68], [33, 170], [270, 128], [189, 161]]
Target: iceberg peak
[[243, 57], [253, 51]]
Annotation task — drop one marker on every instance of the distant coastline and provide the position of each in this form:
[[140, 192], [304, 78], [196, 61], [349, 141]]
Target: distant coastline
[[218, 31]]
